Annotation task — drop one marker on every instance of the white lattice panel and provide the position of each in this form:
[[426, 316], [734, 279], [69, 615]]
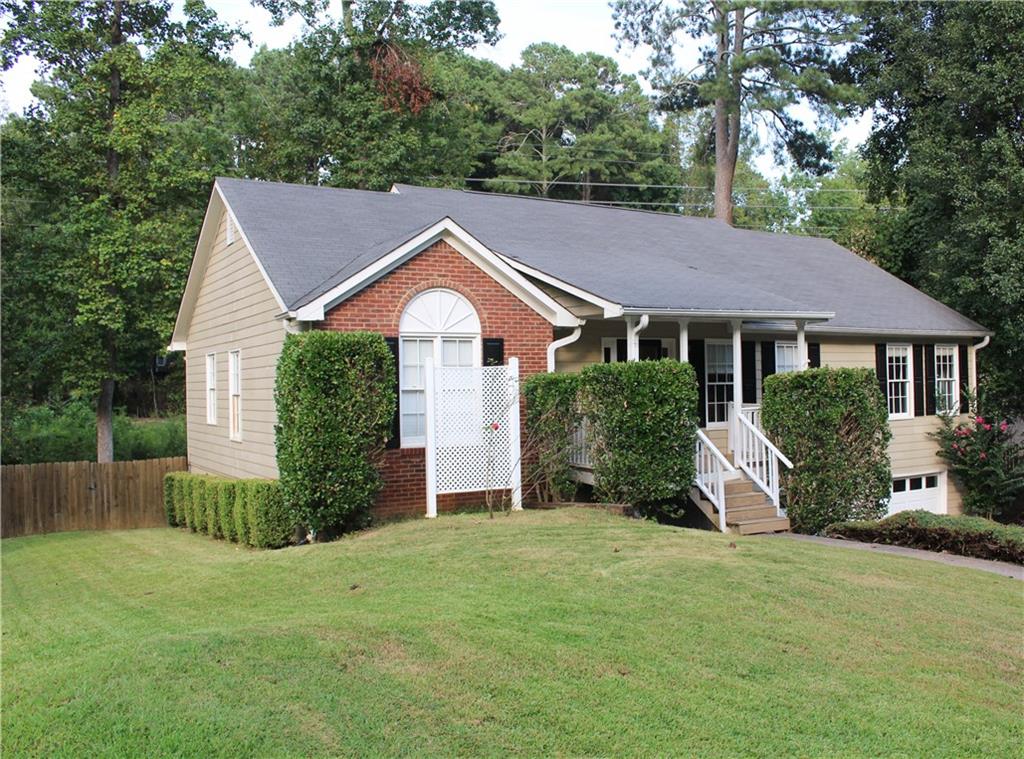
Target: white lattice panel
[[473, 436]]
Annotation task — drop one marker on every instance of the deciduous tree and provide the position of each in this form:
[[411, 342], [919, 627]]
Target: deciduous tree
[[126, 136]]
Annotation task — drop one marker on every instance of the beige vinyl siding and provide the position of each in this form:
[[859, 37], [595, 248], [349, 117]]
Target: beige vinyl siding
[[235, 310], [912, 450]]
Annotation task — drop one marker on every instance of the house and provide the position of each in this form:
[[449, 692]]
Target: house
[[472, 278]]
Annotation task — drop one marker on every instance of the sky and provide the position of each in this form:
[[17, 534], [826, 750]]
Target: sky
[[580, 25]]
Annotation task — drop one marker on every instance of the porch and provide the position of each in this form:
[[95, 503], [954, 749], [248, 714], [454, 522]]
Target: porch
[[737, 467]]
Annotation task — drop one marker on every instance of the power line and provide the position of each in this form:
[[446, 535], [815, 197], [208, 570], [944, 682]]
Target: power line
[[643, 185]]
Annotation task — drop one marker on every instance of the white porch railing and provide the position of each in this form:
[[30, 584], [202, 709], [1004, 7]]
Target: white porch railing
[[755, 454], [579, 455], [710, 477]]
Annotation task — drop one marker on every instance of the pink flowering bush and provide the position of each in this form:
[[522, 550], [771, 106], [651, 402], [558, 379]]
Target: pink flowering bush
[[986, 462]]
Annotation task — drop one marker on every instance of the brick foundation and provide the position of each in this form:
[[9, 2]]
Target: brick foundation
[[378, 308]]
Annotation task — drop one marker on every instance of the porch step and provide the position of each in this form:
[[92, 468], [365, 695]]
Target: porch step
[[740, 514], [739, 486], [739, 500], [759, 526]]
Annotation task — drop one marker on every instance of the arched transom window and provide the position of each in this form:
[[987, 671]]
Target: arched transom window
[[440, 324]]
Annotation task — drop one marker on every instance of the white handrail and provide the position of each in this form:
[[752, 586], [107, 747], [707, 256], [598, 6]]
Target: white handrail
[[710, 475], [758, 457], [579, 454]]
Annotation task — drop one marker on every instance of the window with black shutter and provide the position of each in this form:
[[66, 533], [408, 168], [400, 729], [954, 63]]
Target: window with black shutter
[[395, 437], [919, 380], [965, 394], [494, 351], [748, 358], [697, 362], [814, 355]]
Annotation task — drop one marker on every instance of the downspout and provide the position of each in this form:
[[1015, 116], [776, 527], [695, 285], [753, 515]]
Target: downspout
[[561, 342], [633, 330], [974, 363]]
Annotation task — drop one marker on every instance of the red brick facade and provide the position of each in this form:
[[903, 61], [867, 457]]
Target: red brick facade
[[378, 308]]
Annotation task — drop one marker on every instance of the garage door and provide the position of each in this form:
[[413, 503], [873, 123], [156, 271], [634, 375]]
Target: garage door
[[918, 492]]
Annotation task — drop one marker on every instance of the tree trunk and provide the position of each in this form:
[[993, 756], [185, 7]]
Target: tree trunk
[[105, 422], [346, 19], [724, 167], [727, 110]]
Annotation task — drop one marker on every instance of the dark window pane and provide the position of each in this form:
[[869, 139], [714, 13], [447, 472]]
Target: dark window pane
[[931, 481], [915, 483], [899, 486]]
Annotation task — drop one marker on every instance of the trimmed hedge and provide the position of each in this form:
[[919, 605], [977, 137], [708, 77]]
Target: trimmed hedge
[[834, 426], [335, 397], [246, 511], [226, 509], [269, 522], [240, 515], [552, 413], [966, 536], [643, 421], [169, 484]]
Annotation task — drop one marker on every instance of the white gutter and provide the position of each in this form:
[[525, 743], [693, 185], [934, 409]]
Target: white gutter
[[973, 379], [730, 314], [561, 342]]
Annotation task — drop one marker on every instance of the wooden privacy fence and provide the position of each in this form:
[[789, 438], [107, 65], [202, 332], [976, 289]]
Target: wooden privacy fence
[[83, 495]]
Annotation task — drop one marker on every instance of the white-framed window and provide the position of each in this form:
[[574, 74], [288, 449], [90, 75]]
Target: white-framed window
[[235, 395], [947, 379], [613, 349], [211, 388], [787, 357], [899, 381], [442, 325], [718, 375]]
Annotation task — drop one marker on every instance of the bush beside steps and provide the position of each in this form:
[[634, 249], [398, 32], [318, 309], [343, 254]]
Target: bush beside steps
[[251, 512], [967, 536]]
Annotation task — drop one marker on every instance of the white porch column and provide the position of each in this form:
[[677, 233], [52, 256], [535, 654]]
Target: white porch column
[[737, 380], [801, 344], [634, 326], [684, 339]]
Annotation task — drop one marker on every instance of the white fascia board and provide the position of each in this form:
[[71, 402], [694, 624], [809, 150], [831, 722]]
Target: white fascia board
[[200, 257], [610, 309], [216, 207], [465, 244], [259, 265]]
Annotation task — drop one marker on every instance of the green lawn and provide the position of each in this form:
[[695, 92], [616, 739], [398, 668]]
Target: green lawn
[[570, 632]]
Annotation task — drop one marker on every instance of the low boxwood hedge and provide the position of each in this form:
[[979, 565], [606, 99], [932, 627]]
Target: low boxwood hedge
[[967, 536], [246, 511], [226, 509]]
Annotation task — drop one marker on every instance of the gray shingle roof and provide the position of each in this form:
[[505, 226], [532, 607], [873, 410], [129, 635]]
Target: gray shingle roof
[[309, 239]]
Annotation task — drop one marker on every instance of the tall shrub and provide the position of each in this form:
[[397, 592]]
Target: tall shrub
[[642, 429], [834, 426], [552, 413], [335, 396], [987, 463]]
